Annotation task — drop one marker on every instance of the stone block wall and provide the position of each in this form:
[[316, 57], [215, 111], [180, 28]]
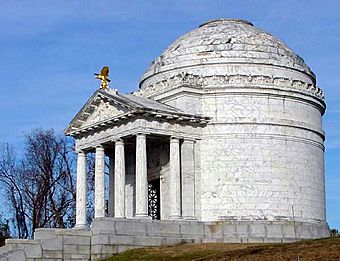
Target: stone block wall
[[109, 236], [242, 178], [262, 159], [261, 155], [49, 244]]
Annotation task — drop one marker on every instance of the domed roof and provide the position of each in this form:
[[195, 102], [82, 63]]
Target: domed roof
[[223, 42]]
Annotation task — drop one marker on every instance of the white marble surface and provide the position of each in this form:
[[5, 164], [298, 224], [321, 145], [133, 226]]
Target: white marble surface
[[99, 179], [260, 155], [119, 179], [81, 190], [188, 179], [141, 177], [227, 47], [175, 179]]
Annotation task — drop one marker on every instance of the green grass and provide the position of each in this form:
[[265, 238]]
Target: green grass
[[320, 249]]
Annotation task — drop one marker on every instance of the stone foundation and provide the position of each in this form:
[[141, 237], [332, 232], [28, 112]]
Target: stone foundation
[[109, 236]]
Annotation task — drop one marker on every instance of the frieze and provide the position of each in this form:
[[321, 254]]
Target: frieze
[[102, 112], [198, 81]]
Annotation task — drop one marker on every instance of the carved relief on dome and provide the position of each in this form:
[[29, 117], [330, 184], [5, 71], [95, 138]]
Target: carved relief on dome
[[197, 81]]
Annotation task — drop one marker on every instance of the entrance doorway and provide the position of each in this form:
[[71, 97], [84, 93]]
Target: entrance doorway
[[154, 199]]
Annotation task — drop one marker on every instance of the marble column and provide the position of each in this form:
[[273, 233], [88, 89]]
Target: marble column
[[188, 179], [99, 189], [141, 177], [175, 179], [119, 194], [111, 185], [81, 191]]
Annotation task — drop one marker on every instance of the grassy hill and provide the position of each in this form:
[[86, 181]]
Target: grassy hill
[[327, 249]]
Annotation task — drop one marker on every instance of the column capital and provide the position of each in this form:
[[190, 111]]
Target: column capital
[[141, 135], [189, 140], [80, 152], [119, 141], [174, 139], [99, 147]]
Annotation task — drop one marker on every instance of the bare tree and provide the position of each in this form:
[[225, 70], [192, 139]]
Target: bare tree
[[8, 177], [41, 186], [4, 230]]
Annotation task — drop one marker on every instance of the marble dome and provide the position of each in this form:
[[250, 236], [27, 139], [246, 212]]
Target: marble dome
[[227, 46]]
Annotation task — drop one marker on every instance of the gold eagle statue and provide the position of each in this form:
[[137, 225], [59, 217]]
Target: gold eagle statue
[[104, 77]]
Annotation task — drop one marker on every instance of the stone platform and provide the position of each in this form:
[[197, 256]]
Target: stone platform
[[108, 236]]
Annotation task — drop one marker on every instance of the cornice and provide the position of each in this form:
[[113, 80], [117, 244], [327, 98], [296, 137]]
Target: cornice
[[149, 114], [236, 80]]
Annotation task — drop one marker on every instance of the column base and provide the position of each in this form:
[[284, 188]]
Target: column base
[[175, 217], [99, 216], [80, 226], [190, 218], [142, 216], [119, 217]]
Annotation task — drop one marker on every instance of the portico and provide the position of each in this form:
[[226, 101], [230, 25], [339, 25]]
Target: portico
[[142, 145]]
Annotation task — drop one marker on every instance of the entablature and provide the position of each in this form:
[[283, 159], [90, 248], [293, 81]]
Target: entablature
[[149, 126]]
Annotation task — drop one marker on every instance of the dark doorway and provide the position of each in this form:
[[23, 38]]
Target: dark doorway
[[154, 199]]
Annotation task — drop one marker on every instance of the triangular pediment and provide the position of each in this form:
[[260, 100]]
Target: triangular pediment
[[103, 111], [108, 108], [100, 107]]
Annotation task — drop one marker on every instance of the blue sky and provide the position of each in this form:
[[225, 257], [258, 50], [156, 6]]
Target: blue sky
[[49, 51]]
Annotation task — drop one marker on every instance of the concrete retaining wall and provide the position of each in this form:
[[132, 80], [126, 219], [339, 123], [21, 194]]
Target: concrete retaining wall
[[108, 236]]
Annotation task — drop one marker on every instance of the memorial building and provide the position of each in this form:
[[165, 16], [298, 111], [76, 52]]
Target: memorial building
[[221, 142], [226, 125]]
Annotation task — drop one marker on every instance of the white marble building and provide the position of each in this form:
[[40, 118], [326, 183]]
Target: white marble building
[[223, 142], [226, 125]]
